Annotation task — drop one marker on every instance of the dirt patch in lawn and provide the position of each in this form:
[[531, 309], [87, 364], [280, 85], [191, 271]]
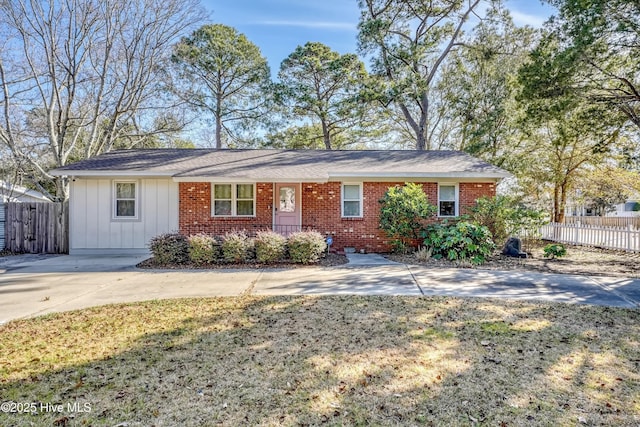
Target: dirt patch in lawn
[[324, 361], [579, 260]]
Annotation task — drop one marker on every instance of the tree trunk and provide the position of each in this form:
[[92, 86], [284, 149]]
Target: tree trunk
[[559, 202], [325, 135], [218, 115], [421, 141]]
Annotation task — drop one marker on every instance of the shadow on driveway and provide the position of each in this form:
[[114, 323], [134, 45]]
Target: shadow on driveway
[[527, 285]]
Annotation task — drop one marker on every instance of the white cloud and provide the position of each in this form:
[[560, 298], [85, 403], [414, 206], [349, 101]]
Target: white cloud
[[521, 18]]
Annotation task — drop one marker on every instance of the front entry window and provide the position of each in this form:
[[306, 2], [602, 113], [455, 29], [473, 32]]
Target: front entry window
[[287, 199]]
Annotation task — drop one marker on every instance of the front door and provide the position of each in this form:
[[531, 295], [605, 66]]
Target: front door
[[287, 209]]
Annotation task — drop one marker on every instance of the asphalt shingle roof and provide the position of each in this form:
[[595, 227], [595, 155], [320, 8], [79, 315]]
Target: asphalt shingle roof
[[273, 165]]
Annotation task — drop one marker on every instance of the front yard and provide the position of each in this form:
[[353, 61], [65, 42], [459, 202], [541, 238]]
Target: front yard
[[324, 361]]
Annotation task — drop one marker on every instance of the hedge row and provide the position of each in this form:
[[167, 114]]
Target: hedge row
[[268, 247]]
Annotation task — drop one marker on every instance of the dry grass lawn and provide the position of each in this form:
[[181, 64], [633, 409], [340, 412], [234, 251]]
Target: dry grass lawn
[[324, 361]]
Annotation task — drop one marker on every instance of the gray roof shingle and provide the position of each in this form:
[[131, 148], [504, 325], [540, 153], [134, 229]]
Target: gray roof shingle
[[274, 165]]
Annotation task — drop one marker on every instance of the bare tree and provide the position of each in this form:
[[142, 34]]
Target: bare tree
[[80, 77]]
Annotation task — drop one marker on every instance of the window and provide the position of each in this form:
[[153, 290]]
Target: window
[[351, 200], [448, 200], [233, 200], [125, 205]]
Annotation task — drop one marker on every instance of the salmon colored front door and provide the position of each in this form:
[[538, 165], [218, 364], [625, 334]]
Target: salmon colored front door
[[286, 208]]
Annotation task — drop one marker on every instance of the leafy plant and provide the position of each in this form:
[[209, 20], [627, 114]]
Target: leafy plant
[[306, 247], [505, 217], [237, 247], [464, 241], [169, 248], [203, 249], [554, 250], [403, 213], [270, 246]]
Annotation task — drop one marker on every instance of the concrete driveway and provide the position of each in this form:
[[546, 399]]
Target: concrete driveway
[[34, 285]]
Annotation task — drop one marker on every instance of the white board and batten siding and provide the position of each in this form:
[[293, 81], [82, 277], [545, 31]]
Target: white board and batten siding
[[93, 230]]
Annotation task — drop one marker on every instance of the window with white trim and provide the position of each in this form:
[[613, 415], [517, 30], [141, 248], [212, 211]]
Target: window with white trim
[[351, 200], [447, 200], [125, 200], [233, 200]]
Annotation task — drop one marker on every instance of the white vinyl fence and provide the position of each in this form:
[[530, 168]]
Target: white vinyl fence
[[626, 239]]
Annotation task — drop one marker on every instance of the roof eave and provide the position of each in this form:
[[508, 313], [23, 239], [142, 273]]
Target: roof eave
[[110, 173], [420, 176], [227, 179]]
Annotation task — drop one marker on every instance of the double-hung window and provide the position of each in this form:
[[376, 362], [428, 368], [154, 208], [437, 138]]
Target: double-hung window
[[351, 200], [233, 200], [447, 200], [125, 200]]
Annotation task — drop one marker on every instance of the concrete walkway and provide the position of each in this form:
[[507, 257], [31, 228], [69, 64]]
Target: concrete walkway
[[31, 286]]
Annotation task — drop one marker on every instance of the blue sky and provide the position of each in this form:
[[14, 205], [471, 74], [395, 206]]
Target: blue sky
[[277, 27]]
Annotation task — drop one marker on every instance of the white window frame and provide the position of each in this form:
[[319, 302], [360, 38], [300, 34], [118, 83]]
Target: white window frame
[[360, 199], [456, 199], [114, 200], [234, 199]]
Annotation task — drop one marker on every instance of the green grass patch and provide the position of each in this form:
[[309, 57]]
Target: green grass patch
[[341, 360]]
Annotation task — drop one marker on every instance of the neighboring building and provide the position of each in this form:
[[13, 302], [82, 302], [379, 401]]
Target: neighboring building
[[630, 208], [16, 193], [120, 200]]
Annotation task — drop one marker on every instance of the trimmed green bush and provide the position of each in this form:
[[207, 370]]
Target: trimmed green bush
[[203, 249], [237, 247], [270, 246], [306, 247], [554, 250], [464, 241], [169, 248]]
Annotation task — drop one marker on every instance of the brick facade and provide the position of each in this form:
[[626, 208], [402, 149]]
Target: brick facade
[[321, 210], [195, 210]]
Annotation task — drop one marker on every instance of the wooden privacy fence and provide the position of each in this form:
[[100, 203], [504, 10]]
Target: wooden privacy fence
[[37, 228], [626, 239], [604, 221], [3, 214]]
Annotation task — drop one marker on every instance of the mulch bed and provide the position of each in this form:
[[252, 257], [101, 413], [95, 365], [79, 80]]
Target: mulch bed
[[329, 260], [579, 260]]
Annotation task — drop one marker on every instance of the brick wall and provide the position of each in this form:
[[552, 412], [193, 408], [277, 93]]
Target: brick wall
[[195, 210], [470, 192], [321, 210]]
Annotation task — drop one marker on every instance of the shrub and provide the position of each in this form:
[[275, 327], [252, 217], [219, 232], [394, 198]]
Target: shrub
[[554, 250], [306, 247], [423, 254], [237, 247], [464, 241], [169, 248], [403, 212], [505, 217], [203, 249], [270, 246]]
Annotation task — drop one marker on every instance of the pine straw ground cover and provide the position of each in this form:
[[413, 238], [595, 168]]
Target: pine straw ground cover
[[324, 361], [581, 260]]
